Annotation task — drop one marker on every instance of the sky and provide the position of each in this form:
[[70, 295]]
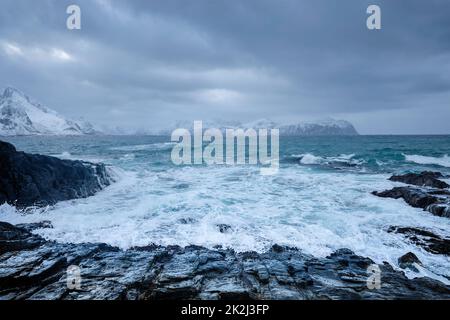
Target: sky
[[148, 63]]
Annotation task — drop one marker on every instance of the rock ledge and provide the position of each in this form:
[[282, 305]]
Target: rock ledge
[[33, 268]]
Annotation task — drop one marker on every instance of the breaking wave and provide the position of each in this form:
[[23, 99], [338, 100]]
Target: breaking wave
[[443, 161], [343, 160]]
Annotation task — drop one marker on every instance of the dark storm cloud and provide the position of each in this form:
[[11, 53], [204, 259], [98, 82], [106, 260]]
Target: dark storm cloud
[[149, 63]]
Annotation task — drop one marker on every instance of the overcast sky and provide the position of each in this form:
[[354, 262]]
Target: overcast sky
[[148, 63]]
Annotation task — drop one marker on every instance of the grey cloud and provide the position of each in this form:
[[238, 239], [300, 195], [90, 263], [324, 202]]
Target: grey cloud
[[149, 63]]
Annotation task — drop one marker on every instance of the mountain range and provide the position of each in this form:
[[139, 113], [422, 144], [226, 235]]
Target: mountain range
[[318, 128], [20, 115]]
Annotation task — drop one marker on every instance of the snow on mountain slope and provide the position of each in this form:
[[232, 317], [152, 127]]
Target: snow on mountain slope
[[20, 115], [323, 127]]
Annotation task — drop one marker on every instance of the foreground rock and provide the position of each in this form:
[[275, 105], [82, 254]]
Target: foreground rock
[[32, 268], [36, 180], [433, 198]]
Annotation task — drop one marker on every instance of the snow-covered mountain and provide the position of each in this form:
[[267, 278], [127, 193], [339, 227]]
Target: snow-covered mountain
[[20, 115], [318, 128]]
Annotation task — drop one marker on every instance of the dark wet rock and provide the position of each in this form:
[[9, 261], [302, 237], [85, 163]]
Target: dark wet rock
[[32, 268], [435, 201], [277, 248], [36, 180], [440, 209], [423, 179], [414, 197], [342, 164], [425, 239], [187, 220], [431, 196], [224, 228], [16, 239], [181, 186], [34, 226], [408, 261]]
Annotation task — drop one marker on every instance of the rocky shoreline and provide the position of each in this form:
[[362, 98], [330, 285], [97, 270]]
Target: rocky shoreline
[[34, 268]]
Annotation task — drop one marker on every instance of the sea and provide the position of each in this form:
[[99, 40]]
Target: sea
[[319, 201]]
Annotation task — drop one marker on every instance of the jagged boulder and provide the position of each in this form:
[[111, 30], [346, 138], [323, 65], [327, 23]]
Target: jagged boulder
[[409, 261], [415, 197], [36, 180]]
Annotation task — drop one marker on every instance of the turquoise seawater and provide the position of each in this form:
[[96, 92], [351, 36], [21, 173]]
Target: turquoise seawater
[[369, 153], [319, 201]]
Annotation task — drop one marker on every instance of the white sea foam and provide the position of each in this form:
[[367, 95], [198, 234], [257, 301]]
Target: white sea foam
[[8, 210], [68, 156], [128, 157], [142, 147], [316, 212], [347, 156], [65, 155], [311, 159], [443, 161]]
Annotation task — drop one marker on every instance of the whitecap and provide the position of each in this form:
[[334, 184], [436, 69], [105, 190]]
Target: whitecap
[[63, 155], [68, 156], [143, 147], [309, 158], [443, 161]]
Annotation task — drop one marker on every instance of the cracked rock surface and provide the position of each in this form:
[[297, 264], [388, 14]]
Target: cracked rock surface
[[33, 268]]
